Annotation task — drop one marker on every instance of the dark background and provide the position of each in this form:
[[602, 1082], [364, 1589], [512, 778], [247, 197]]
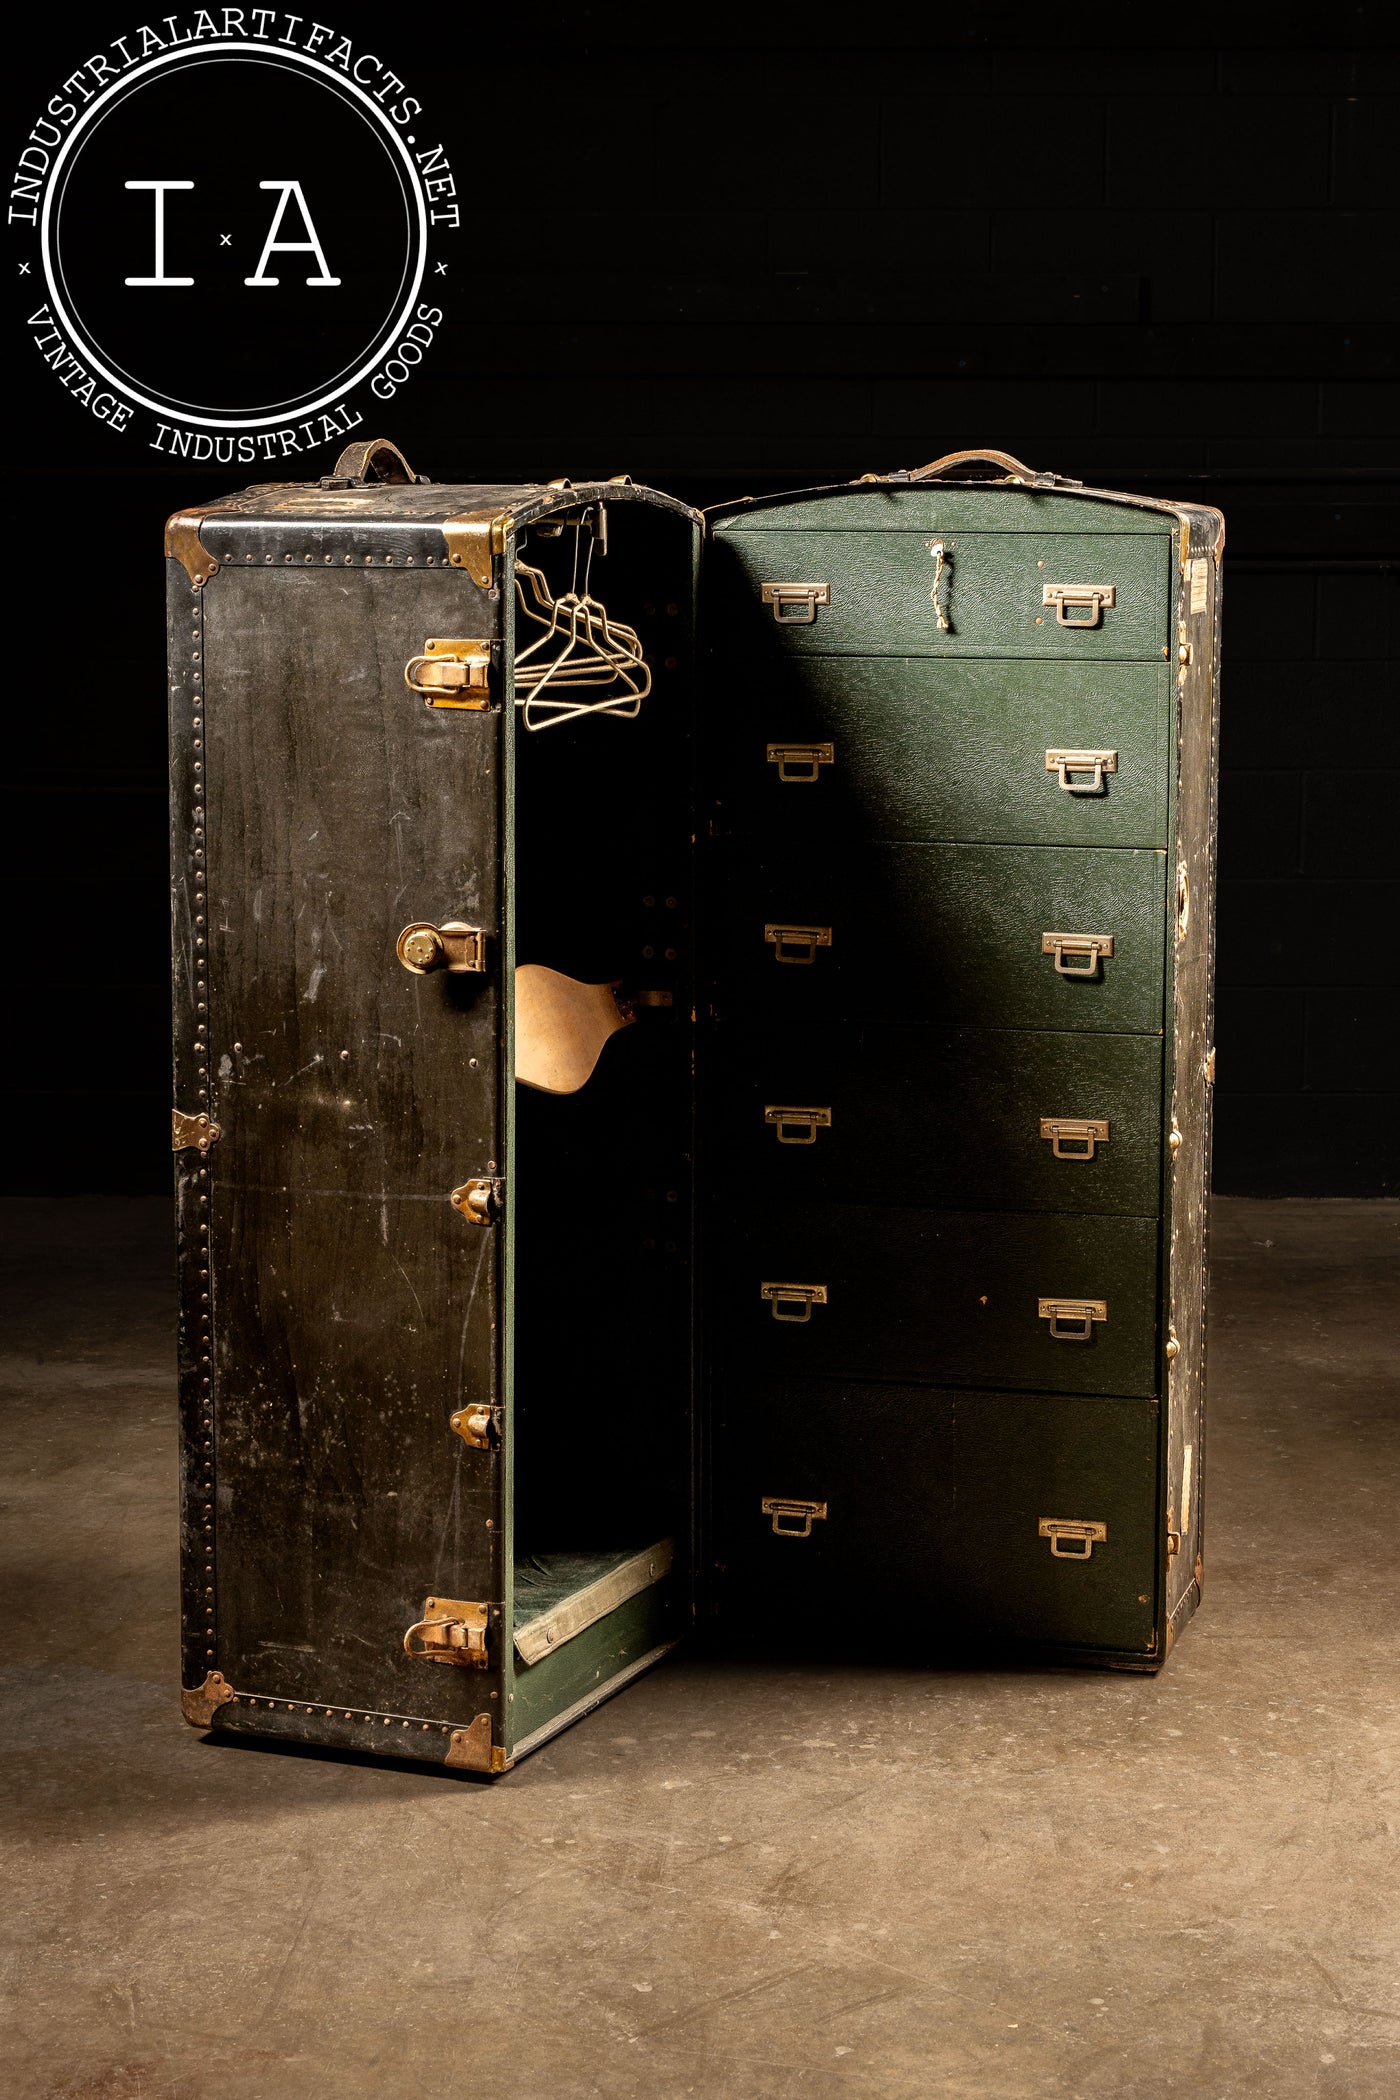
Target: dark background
[[736, 251]]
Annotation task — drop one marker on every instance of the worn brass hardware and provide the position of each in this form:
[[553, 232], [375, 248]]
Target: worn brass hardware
[[793, 1516], [449, 1632], [1183, 900], [472, 1750], [1072, 1319], [803, 1295], [477, 1200], [475, 1426], [1175, 1140], [183, 542], [452, 946], [1090, 946], [200, 1702], [1173, 1537], [192, 1133], [1095, 763], [1060, 1529], [795, 604], [800, 764], [1089, 598], [451, 674], [806, 1122], [1173, 1348], [473, 537], [1074, 1137], [797, 944], [584, 1607]]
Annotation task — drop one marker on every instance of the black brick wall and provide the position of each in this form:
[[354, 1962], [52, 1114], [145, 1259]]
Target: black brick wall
[[728, 253]]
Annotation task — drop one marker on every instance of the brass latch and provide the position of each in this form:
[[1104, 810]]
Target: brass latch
[[422, 947], [795, 604], [797, 944], [799, 764], [806, 1122], [192, 1133], [792, 1516], [1090, 598], [1074, 1137], [451, 674], [449, 1632], [475, 1426], [1069, 764], [1072, 1319], [802, 1295], [1059, 1529], [478, 1200], [1087, 947]]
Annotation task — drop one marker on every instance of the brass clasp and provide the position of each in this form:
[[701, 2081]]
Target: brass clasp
[[802, 1295], [451, 674], [450, 1632], [478, 1201], [805, 1122], [452, 946]]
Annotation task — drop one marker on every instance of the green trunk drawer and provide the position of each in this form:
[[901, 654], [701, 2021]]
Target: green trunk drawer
[[946, 1117], [911, 1518], [862, 748], [879, 586], [948, 933], [944, 1296]]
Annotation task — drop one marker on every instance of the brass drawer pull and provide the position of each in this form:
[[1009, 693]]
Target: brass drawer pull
[[802, 1295], [1074, 1137], [797, 944], [798, 1126], [1081, 598], [451, 674], [800, 764], [1072, 1319], [1060, 1529], [785, 1510], [1088, 947], [1095, 763], [795, 604]]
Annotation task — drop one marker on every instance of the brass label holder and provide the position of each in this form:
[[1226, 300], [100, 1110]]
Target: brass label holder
[[796, 944], [1080, 604], [799, 765], [801, 1295], [1069, 764], [792, 1516], [450, 1631], [798, 1126], [451, 674], [1072, 1538], [794, 604], [1077, 954], [1074, 1137], [1072, 1319]]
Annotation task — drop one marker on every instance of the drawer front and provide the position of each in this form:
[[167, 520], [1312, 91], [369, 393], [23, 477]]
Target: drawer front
[[949, 1118], [861, 748], [912, 1520], [873, 595], [947, 933], [948, 1297]]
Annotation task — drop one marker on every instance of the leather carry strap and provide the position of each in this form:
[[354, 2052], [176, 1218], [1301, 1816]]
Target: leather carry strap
[[373, 459]]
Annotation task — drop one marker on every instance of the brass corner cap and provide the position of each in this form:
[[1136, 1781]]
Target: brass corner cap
[[183, 543], [200, 1703], [472, 1750]]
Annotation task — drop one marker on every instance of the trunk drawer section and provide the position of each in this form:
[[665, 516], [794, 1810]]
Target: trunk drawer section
[[911, 1520], [944, 1296], [878, 594], [946, 1117], [947, 933], [885, 747]]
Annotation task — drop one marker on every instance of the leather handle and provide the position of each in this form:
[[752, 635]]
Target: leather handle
[[374, 459], [991, 459]]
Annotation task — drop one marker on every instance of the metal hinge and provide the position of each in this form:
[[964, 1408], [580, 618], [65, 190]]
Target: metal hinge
[[1087, 1533], [1074, 1137], [795, 604], [1095, 763], [1072, 1319], [1090, 598], [800, 764], [479, 1200], [1090, 946], [450, 1632], [797, 944], [475, 1426], [802, 1295], [195, 1133], [452, 674], [793, 1517], [806, 1121], [452, 946]]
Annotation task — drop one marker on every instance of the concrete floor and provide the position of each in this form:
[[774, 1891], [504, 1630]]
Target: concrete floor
[[742, 1883]]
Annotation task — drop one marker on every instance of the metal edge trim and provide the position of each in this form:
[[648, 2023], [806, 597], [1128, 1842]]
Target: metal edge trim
[[574, 1614]]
